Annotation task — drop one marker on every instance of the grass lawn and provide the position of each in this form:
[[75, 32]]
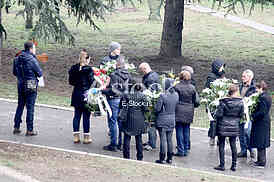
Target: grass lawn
[[204, 37]]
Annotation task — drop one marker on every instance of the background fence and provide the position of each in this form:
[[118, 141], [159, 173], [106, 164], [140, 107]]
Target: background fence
[[201, 119]]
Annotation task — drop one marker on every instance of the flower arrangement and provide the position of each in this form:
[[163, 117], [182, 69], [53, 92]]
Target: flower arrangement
[[108, 67], [218, 90], [250, 104], [152, 97]]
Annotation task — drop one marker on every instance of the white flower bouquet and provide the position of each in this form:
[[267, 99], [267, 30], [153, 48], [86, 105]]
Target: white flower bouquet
[[250, 104], [152, 97], [218, 90]]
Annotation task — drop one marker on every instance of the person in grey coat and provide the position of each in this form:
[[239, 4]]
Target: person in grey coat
[[165, 122], [260, 131], [228, 115], [188, 99]]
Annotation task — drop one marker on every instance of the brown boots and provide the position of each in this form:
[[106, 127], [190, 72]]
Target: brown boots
[[87, 139], [76, 138]]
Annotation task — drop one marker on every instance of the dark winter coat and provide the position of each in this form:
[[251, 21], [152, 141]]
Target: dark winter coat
[[150, 80], [184, 112], [26, 67], [82, 81], [228, 115], [215, 74], [119, 84], [261, 125], [165, 109], [137, 105], [251, 89]]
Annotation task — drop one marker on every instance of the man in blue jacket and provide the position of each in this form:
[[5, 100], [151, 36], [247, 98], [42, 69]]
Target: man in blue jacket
[[26, 68]]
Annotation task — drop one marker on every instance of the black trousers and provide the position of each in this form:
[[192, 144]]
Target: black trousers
[[261, 157], [232, 142], [139, 146]]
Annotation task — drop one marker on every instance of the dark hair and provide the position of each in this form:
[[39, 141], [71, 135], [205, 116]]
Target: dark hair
[[28, 46], [232, 89], [262, 85]]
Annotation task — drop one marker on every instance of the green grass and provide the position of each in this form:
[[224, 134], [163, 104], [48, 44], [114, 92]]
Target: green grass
[[10, 92], [204, 37]]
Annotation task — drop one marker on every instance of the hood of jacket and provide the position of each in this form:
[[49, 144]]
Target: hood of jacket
[[216, 65]]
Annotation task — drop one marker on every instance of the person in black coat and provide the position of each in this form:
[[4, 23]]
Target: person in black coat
[[81, 78], [26, 68], [134, 105], [217, 71], [228, 115], [165, 122], [260, 131], [247, 88], [151, 81], [184, 113]]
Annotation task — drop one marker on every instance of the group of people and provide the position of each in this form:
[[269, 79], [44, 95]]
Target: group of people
[[174, 108], [228, 119]]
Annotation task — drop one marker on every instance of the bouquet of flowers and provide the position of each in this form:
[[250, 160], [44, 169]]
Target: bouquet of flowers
[[218, 90], [250, 104], [152, 97], [108, 67]]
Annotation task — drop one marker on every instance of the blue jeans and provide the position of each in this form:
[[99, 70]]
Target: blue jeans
[[152, 137], [78, 112], [166, 144], [245, 137], [112, 121], [28, 100], [182, 138]]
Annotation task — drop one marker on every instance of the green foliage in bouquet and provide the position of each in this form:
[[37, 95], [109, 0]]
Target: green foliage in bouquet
[[218, 90]]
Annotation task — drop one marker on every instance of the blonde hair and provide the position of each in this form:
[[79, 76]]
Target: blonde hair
[[233, 89], [185, 75], [83, 58]]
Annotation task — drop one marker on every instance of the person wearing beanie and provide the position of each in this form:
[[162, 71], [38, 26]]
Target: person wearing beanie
[[113, 54]]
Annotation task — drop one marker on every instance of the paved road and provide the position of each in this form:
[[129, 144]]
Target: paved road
[[55, 130], [243, 21]]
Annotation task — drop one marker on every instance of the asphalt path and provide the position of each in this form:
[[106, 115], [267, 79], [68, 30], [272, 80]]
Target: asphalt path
[[55, 130]]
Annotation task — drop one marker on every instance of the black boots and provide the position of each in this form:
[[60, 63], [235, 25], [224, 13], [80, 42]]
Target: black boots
[[169, 158], [162, 157]]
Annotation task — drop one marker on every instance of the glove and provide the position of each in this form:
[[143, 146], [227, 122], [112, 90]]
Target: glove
[[94, 90]]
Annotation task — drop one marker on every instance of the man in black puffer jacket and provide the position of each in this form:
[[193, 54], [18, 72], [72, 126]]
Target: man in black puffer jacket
[[26, 68], [119, 85], [229, 113], [217, 71]]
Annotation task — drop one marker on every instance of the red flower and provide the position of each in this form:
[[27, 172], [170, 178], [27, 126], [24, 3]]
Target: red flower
[[103, 71]]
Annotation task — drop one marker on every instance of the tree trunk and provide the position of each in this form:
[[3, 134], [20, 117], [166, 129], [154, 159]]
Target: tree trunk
[[1, 34], [154, 10], [29, 17], [171, 42]]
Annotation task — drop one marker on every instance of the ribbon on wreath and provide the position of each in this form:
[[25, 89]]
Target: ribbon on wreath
[[96, 96]]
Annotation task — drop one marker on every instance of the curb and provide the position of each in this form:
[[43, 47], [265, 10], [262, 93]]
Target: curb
[[122, 159], [15, 175]]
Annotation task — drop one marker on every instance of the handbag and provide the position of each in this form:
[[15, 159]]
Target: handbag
[[30, 86]]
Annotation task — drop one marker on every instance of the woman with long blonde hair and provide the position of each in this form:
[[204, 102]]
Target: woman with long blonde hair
[[81, 77]]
